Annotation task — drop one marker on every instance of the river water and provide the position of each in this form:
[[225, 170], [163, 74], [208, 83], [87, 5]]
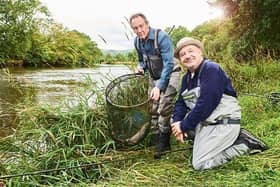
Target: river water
[[55, 87]]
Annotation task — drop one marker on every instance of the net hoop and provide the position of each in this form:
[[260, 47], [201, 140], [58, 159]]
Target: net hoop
[[118, 80]]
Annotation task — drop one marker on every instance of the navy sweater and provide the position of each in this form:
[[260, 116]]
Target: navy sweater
[[213, 83]]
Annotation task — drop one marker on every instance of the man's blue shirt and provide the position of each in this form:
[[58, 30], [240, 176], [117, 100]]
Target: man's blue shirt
[[166, 51], [214, 82]]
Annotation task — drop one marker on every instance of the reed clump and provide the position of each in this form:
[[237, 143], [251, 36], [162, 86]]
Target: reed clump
[[52, 138]]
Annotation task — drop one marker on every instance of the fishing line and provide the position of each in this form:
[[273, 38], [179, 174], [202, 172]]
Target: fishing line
[[275, 96], [83, 165]]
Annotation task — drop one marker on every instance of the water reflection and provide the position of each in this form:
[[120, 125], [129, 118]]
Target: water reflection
[[9, 97], [55, 87]]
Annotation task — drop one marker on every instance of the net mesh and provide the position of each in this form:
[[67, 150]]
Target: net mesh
[[128, 107]]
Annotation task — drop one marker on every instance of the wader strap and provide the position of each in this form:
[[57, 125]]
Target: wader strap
[[137, 44], [156, 41], [227, 121], [198, 80]]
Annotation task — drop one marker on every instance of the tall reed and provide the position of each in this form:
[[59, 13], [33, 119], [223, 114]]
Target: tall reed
[[49, 138]]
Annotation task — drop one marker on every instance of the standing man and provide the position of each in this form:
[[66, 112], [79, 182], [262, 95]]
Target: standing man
[[155, 55], [207, 111]]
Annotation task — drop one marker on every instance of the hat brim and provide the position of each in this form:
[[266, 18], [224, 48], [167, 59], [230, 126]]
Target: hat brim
[[177, 50], [186, 43]]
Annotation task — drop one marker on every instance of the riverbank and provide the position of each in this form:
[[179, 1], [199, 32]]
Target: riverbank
[[81, 136], [58, 87]]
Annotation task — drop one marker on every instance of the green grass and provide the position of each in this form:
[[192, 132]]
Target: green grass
[[48, 138], [249, 170]]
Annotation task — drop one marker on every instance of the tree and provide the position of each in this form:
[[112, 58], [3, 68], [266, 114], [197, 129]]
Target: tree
[[55, 45], [178, 33], [17, 23], [132, 56], [255, 28], [230, 7], [215, 38]]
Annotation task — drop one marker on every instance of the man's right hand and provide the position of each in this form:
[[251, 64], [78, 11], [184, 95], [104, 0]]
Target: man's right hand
[[139, 70]]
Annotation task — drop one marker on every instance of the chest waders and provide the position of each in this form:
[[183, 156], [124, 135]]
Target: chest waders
[[227, 112], [215, 136], [161, 110]]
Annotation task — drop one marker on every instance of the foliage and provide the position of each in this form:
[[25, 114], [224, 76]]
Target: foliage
[[177, 33], [215, 38], [17, 23], [255, 27], [109, 58], [30, 38], [254, 77], [248, 31], [59, 46], [48, 138]]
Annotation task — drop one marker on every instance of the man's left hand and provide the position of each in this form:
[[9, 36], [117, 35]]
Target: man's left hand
[[176, 130], [155, 93]]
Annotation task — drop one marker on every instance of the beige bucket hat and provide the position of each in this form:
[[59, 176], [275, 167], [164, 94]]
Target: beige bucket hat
[[184, 42]]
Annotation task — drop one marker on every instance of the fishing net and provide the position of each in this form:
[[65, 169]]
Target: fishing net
[[128, 107]]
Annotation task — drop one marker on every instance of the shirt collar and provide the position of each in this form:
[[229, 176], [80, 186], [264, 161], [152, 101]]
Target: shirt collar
[[151, 34], [198, 69]]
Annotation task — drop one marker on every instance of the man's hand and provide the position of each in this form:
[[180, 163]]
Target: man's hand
[[155, 94], [176, 131], [139, 70]]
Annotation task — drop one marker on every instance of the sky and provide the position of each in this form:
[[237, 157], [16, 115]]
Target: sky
[[106, 19]]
